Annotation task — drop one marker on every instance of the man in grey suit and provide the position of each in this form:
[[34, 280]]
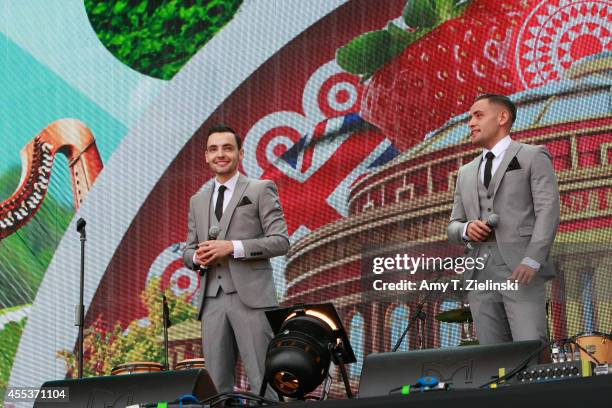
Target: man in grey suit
[[237, 282], [517, 182]]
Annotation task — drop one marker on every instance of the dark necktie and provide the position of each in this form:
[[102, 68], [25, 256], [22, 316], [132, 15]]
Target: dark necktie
[[219, 204], [488, 166]]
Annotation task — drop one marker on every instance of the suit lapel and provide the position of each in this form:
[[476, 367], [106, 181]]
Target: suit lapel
[[473, 183], [207, 197], [503, 166], [241, 185]]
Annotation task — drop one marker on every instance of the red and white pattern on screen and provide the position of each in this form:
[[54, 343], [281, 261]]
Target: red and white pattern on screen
[[558, 33]]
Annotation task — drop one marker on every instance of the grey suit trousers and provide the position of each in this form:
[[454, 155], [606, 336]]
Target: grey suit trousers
[[507, 315], [228, 325]]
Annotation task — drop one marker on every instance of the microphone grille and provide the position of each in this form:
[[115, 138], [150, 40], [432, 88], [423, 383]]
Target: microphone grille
[[493, 220], [213, 232], [80, 224]]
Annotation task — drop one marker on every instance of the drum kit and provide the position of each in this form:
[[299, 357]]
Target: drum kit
[[462, 316], [143, 367], [593, 346]]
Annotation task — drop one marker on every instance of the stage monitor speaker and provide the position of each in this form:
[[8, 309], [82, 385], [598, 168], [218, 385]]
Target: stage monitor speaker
[[131, 389], [460, 367]]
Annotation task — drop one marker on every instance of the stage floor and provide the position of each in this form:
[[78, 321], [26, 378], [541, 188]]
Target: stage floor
[[578, 392]]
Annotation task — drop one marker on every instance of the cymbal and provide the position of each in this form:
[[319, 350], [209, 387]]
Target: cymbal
[[460, 315]]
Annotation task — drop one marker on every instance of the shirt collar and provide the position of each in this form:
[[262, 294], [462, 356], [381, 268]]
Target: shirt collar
[[229, 184], [499, 148]]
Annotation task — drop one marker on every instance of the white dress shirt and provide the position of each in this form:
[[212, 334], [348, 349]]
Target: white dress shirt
[[230, 187], [498, 150]]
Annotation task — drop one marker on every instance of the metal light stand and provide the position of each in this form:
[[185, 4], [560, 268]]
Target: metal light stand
[[337, 351]]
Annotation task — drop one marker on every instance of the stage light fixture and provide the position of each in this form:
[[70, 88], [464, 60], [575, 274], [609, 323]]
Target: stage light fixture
[[307, 339]]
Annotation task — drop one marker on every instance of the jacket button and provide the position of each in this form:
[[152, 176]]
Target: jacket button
[[488, 209], [220, 264], [219, 277], [488, 196]]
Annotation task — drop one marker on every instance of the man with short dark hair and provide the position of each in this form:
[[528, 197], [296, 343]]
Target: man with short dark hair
[[237, 282], [517, 182]]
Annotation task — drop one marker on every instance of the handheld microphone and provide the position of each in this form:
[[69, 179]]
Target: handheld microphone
[[492, 221], [213, 232]]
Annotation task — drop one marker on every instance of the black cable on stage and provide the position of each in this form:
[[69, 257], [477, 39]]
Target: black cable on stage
[[218, 398], [519, 367], [221, 397]]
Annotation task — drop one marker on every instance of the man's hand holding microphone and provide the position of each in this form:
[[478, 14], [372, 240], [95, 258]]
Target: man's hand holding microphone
[[211, 250], [479, 231]]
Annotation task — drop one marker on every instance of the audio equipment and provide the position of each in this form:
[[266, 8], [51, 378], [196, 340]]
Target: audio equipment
[[460, 367], [125, 390], [549, 372]]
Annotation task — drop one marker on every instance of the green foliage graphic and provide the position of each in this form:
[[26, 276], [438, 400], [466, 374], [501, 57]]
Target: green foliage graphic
[[105, 349], [9, 340], [157, 37]]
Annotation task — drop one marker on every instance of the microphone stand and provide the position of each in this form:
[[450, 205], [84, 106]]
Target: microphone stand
[[167, 323], [419, 314], [80, 309]]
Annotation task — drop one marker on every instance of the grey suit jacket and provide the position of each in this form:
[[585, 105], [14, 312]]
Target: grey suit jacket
[[526, 200], [260, 226]]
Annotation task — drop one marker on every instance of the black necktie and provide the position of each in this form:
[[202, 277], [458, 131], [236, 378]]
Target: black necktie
[[488, 166], [219, 204]]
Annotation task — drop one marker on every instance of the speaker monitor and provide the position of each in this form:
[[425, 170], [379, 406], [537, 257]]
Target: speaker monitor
[[131, 389], [461, 367]]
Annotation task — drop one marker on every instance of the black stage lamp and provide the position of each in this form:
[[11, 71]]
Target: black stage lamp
[[307, 339]]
